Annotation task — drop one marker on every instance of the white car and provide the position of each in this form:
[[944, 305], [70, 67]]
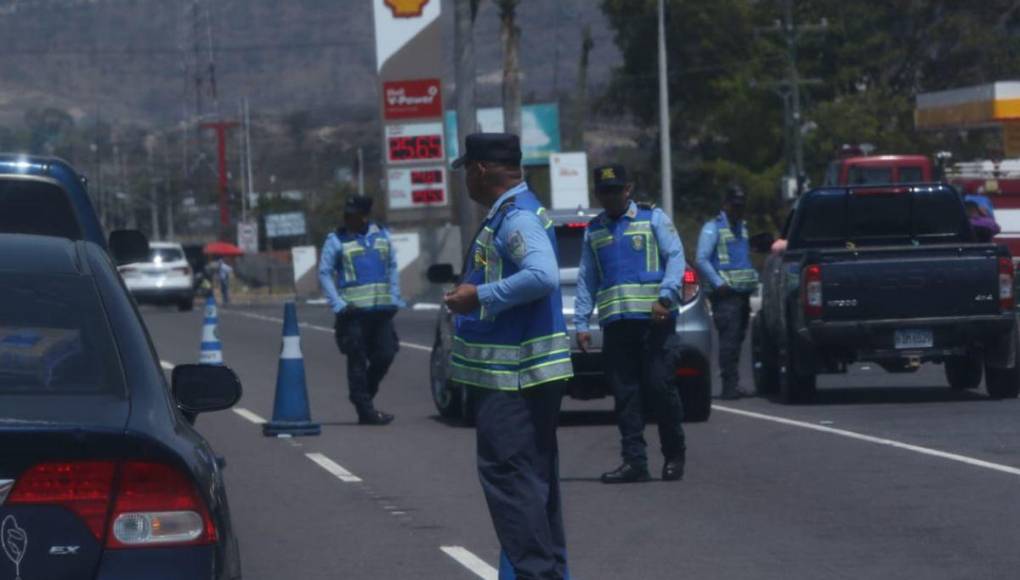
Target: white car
[[166, 278]]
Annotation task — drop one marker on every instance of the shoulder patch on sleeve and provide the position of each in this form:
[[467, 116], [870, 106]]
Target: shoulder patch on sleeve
[[517, 245]]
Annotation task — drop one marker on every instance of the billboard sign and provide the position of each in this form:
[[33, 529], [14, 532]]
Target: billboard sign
[[540, 131], [280, 225]]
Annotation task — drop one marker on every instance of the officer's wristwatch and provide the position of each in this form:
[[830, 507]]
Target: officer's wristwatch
[[665, 302]]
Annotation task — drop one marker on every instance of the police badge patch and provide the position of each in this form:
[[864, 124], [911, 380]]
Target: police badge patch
[[518, 247], [479, 258], [638, 242]]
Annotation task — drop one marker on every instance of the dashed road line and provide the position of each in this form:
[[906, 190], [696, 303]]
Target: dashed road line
[[473, 563], [249, 415], [333, 467], [876, 440], [264, 318]]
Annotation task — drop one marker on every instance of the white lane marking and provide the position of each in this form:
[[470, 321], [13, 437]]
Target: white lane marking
[[426, 306], [877, 440], [167, 366], [471, 562], [249, 415], [333, 467], [265, 318]]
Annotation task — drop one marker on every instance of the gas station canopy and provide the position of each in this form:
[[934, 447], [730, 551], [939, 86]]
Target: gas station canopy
[[971, 107]]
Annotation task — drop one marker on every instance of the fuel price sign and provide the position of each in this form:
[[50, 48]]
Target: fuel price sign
[[414, 143], [417, 187]]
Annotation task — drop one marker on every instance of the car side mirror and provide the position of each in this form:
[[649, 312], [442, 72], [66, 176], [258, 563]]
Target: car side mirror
[[204, 388], [128, 246], [761, 243], [441, 274]]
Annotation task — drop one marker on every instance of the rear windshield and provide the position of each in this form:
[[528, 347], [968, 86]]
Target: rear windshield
[[569, 240], [834, 218], [36, 207], [165, 255], [911, 174], [54, 337], [864, 175]]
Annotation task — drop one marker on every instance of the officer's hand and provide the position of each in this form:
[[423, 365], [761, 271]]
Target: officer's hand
[[584, 341], [659, 313], [462, 299]]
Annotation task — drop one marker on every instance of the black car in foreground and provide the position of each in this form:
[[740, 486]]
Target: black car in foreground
[[101, 475]]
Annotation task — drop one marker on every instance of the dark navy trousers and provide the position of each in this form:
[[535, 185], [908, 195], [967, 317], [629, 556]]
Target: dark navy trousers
[[370, 343], [637, 366], [518, 465], [731, 314]]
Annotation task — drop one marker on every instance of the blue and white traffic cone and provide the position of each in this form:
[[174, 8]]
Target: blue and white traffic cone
[[211, 352], [290, 406]]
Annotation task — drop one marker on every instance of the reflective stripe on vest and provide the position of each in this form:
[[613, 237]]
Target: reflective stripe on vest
[[740, 279], [522, 347], [627, 298], [368, 295]]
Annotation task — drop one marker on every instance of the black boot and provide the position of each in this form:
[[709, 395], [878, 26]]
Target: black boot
[[673, 469], [627, 473], [375, 418]]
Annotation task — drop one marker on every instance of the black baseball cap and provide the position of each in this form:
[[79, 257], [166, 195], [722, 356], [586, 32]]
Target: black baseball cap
[[610, 177], [359, 204], [496, 147], [735, 195]]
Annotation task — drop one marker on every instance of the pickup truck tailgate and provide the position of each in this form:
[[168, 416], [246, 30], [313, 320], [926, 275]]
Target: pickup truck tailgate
[[909, 283]]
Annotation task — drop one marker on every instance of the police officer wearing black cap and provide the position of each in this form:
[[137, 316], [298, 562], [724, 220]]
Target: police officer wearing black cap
[[359, 277], [724, 259], [632, 266], [511, 350]]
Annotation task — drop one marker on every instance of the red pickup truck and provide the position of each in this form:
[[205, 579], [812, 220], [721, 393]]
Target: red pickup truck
[[879, 169]]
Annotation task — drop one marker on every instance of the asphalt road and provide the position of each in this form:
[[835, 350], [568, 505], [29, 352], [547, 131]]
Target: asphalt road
[[884, 476]]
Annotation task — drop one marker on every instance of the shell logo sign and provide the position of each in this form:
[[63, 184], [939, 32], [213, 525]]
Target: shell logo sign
[[406, 8]]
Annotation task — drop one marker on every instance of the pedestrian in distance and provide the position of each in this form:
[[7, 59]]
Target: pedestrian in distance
[[632, 266], [724, 260], [223, 272], [511, 349], [359, 277]]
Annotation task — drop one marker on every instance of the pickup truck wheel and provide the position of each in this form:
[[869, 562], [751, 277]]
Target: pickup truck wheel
[[445, 395], [795, 385], [1004, 383], [764, 359], [963, 373]]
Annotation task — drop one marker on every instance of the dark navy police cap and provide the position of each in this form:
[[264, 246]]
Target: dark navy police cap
[[735, 195], [497, 147], [610, 176], [360, 204]]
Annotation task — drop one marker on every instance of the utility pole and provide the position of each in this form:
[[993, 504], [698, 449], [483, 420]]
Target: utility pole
[[247, 155], [664, 141], [790, 93], [361, 172], [511, 36], [464, 15]]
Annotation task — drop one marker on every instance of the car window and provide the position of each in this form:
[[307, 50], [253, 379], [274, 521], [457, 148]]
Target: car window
[[54, 337], [165, 255], [36, 207], [911, 174], [861, 175], [569, 240]]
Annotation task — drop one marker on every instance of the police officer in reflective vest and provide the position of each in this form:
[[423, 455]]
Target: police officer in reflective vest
[[358, 274], [724, 260], [511, 349], [632, 264]]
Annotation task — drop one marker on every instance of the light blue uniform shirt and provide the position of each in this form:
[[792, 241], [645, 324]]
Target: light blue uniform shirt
[[670, 247], [539, 271], [707, 243], [329, 261]]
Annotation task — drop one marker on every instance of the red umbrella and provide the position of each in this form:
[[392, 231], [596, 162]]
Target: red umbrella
[[222, 249]]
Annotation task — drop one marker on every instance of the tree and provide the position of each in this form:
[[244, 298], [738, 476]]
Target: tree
[[465, 12]]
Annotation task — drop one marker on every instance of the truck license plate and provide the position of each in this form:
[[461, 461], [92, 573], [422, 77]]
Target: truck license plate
[[914, 338]]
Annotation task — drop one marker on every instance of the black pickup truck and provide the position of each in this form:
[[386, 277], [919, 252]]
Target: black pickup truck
[[890, 275]]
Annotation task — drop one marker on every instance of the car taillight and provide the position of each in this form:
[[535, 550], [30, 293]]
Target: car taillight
[[812, 291], [1006, 273], [182, 270], [691, 285], [157, 505], [83, 487], [153, 503]]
